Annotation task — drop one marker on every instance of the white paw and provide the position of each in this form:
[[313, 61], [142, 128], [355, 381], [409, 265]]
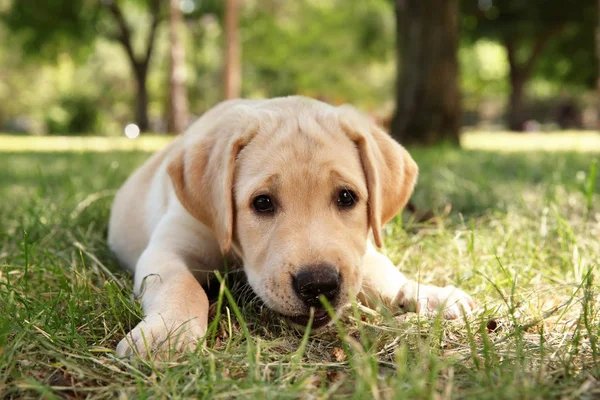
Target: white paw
[[432, 300], [158, 336]]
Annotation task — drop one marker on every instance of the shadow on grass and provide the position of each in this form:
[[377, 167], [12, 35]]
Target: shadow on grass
[[472, 182], [476, 182], [56, 200], [42, 190]]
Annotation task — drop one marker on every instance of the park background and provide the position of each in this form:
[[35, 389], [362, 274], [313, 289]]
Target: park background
[[511, 216], [426, 69]]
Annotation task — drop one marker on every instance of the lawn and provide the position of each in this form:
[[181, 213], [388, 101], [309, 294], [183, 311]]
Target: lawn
[[519, 229]]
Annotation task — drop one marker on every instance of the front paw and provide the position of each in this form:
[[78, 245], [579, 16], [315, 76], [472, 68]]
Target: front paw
[[158, 335], [433, 300]]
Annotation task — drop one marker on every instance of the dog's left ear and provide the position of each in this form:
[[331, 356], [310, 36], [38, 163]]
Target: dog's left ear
[[390, 171], [202, 173]]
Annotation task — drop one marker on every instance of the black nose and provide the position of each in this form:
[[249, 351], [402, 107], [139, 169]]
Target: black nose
[[315, 280]]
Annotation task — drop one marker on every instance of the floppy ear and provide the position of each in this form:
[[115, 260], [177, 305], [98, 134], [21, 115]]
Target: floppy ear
[[202, 176], [390, 171]]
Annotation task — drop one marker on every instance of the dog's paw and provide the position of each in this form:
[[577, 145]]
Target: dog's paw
[[448, 301], [159, 336]]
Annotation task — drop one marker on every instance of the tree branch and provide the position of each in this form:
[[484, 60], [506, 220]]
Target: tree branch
[[124, 36], [509, 43], [155, 11], [526, 68], [539, 45]]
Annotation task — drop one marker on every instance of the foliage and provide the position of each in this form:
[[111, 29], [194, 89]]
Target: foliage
[[484, 70], [569, 30], [302, 46], [46, 29], [570, 56], [518, 238], [337, 50], [305, 47], [51, 29], [74, 114]]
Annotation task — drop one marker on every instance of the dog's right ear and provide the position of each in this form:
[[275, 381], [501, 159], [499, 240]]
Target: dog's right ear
[[390, 171], [202, 175]]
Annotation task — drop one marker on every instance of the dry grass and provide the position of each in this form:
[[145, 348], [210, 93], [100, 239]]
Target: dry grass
[[576, 141], [587, 142], [522, 236]]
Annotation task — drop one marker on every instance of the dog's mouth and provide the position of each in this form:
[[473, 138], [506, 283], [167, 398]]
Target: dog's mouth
[[320, 319]]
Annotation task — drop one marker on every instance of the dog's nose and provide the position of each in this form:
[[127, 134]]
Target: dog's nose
[[315, 280]]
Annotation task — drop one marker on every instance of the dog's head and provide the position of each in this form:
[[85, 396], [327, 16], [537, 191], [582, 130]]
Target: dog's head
[[294, 186]]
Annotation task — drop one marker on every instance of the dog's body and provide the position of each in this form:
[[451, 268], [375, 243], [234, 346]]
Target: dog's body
[[290, 187]]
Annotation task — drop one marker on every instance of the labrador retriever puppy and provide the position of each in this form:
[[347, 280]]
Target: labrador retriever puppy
[[293, 189]]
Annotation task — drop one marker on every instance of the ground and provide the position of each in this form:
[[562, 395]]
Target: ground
[[516, 227]]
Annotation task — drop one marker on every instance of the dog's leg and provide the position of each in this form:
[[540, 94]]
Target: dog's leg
[[384, 284], [174, 303]]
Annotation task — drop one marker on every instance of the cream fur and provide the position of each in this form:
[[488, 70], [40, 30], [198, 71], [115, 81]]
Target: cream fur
[[190, 205]]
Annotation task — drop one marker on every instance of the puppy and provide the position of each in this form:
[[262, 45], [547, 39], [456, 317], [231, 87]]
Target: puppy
[[292, 188]]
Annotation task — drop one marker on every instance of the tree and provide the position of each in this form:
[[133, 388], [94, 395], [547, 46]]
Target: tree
[[139, 63], [232, 70], [427, 92], [177, 118], [530, 32], [317, 48], [598, 60], [48, 28]]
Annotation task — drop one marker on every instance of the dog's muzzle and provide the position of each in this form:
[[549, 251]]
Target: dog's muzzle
[[310, 283]]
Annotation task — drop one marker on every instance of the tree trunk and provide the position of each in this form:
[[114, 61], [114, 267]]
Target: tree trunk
[[521, 71], [427, 92], [516, 113], [139, 65], [598, 55], [232, 73], [141, 100], [177, 118]]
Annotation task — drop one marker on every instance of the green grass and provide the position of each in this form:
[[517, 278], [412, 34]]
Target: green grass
[[520, 231]]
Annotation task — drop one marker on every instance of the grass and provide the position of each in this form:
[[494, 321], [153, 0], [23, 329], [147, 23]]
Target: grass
[[519, 230], [500, 141]]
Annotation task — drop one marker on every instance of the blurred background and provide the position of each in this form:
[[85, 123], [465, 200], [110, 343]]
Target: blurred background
[[425, 69]]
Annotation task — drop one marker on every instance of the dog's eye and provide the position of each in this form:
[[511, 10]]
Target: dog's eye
[[346, 198], [263, 204]]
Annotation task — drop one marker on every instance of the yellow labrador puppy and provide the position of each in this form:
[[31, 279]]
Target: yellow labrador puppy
[[291, 187]]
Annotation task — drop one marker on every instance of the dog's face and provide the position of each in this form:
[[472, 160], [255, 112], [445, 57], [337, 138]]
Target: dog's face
[[295, 190], [301, 221]]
